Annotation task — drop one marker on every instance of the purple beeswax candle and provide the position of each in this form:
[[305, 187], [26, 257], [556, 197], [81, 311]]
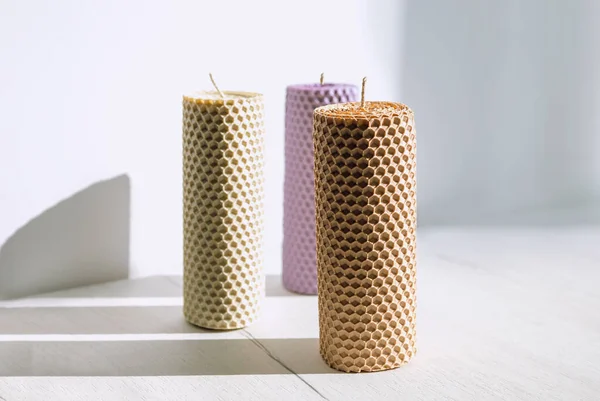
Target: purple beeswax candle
[[299, 246]]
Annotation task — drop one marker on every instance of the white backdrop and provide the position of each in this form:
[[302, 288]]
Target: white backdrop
[[507, 104], [506, 96], [90, 91]]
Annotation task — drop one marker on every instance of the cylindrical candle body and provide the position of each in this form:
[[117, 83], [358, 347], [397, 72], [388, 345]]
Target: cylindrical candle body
[[365, 196], [223, 208], [299, 255]]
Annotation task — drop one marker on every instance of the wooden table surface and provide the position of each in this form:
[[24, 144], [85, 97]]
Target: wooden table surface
[[504, 313]]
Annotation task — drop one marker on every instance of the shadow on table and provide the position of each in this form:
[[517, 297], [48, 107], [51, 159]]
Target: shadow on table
[[118, 335], [157, 286], [143, 287], [275, 288], [97, 321], [162, 358]]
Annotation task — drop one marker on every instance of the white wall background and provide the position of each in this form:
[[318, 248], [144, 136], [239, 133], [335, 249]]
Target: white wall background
[[507, 102], [90, 90], [506, 96]]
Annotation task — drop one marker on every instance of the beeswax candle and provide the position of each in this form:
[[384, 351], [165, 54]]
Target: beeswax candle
[[299, 252], [365, 194], [223, 135]]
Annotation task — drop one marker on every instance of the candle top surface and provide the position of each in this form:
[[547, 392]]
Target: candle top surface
[[317, 87], [203, 96], [371, 110]]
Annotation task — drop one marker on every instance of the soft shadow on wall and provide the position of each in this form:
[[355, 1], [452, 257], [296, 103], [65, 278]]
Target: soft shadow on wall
[[82, 240], [505, 96]]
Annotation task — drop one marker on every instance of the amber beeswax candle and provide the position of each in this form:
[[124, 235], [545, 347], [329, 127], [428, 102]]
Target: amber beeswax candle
[[223, 135], [365, 186]]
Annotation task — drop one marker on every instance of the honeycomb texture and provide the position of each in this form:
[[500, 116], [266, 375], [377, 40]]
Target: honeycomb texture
[[299, 252], [223, 209], [365, 198]]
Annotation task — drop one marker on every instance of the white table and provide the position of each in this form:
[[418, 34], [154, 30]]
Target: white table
[[510, 313]]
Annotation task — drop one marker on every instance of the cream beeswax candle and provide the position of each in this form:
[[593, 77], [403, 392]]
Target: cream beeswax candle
[[223, 135]]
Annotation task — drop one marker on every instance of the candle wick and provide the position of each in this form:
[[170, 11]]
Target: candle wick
[[322, 78], [362, 93], [215, 85]]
